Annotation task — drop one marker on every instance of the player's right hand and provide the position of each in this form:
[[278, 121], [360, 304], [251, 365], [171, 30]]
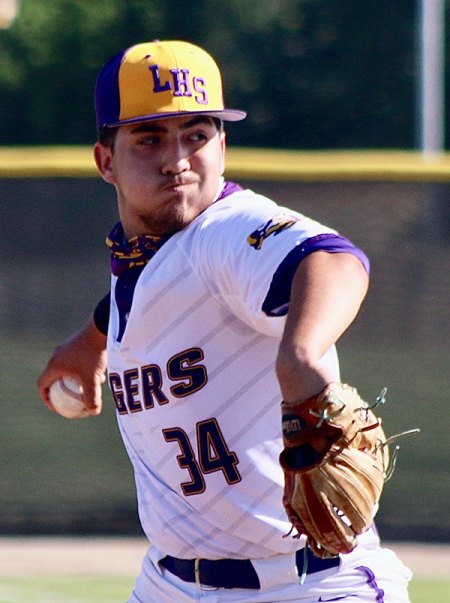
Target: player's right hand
[[82, 356]]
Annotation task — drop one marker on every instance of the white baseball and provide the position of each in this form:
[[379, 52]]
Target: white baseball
[[65, 395]]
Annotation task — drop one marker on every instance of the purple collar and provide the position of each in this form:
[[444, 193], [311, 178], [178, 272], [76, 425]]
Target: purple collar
[[137, 251]]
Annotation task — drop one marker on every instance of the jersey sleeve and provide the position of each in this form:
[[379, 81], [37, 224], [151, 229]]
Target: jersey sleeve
[[276, 302], [101, 314], [247, 257]]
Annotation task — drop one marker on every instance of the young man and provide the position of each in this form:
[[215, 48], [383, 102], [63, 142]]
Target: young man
[[222, 304]]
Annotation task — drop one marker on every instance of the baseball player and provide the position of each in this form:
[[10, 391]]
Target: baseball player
[[222, 304]]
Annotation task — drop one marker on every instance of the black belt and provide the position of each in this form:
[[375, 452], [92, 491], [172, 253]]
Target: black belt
[[236, 573]]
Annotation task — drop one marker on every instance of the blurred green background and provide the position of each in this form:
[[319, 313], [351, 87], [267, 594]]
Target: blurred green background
[[63, 476], [313, 74], [310, 73]]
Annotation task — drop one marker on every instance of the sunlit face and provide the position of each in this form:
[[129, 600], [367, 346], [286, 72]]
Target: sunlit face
[[165, 172]]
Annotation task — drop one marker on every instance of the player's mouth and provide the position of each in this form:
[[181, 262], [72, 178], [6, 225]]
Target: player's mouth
[[177, 184]]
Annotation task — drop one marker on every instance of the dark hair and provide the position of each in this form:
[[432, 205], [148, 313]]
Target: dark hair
[[107, 136]]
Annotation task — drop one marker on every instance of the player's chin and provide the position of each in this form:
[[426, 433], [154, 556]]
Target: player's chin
[[178, 214]]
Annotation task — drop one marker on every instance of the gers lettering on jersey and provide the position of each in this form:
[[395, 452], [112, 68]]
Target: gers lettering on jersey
[[182, 84], [272, 227], [140, 388]]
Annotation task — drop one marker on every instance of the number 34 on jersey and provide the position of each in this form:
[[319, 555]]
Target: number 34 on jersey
[[140, 389]]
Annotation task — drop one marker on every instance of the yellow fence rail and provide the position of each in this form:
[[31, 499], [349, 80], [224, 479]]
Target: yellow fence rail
[[248, 163]]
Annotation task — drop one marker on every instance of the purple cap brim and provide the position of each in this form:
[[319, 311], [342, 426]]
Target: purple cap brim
[[225, 115]]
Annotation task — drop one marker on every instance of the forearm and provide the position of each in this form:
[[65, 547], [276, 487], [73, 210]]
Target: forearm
[[327, 292]]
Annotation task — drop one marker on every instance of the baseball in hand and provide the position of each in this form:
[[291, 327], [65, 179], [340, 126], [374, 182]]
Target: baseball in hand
[[65, 395]]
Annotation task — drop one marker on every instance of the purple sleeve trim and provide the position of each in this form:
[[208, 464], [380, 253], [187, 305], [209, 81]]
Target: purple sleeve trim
[[277, 299], [371, 581]]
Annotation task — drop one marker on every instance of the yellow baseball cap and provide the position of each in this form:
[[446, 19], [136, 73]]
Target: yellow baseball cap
[[160, 79]]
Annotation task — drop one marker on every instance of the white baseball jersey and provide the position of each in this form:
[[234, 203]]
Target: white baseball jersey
[[198, 402]]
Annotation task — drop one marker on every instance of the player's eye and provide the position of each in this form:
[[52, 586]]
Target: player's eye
[[198, 136], [149, 140]]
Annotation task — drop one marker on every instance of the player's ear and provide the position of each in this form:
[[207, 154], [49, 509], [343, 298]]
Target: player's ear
[[103, 155]]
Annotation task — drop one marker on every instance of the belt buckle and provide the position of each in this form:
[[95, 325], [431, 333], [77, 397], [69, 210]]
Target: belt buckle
[[198, 581]]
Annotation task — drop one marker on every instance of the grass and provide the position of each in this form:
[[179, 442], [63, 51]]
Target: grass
[[117, 590], [430, 591], [66, 590]]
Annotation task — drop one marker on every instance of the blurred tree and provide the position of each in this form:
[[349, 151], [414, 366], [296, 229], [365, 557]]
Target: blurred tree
[[310, 73], [315, 73]]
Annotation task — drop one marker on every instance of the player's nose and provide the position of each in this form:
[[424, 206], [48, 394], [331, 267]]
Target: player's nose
[[174, 158]]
